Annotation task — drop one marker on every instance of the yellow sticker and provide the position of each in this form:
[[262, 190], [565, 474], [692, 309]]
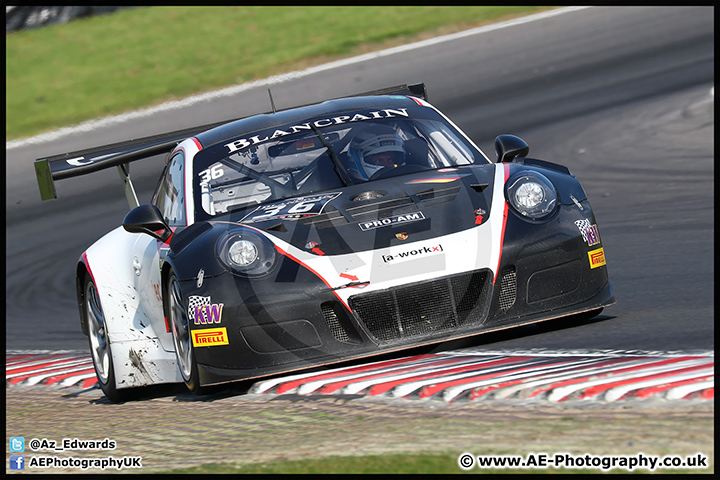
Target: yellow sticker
[[305, 144], [597, 257], [209, 337]]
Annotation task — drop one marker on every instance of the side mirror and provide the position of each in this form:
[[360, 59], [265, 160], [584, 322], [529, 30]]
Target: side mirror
[[507, 147], [147, 219]]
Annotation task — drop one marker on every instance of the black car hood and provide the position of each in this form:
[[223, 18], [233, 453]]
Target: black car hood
[[386, 212]]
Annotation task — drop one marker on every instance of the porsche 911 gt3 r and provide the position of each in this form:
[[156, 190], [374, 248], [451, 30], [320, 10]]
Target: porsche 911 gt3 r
[[323, 233]]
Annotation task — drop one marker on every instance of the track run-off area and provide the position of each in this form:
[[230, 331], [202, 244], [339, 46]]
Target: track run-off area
[[448, 377]]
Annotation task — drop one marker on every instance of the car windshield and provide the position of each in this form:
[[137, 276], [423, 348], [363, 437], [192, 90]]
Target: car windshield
[[324, 154]]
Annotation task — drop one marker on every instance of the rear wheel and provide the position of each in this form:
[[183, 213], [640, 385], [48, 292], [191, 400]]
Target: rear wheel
[[176, 311], [100, 348]]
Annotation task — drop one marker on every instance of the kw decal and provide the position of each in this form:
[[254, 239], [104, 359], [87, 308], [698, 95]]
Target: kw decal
[[203, 311], [589, 232]]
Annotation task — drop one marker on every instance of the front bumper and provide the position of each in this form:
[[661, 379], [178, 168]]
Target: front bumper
[[292, 320]]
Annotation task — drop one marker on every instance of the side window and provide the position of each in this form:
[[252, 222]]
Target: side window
[[451, 147], [170, 196]]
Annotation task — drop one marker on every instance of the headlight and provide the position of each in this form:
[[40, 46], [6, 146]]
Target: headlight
[[242, 253], [531, 194], [246, 253]]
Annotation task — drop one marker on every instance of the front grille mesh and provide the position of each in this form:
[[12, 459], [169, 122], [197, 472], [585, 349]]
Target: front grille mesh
[[508, 288], [334, 323], [425, 308]]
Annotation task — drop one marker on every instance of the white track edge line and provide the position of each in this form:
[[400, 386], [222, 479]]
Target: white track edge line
[[229, 91]]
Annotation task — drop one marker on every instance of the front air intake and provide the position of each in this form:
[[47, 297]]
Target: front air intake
[[338, 322], [425, 309], [508, 288]]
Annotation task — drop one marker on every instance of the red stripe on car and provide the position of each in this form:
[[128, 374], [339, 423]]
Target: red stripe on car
[[506, 169]]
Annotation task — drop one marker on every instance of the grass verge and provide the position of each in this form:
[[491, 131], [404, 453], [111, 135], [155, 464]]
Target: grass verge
[[93, 67], [431, 463]]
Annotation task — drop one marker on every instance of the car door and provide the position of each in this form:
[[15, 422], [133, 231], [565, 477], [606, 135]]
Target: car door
[[149, 253]]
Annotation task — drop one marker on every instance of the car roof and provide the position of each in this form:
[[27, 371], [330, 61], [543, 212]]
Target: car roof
[[265, 121]]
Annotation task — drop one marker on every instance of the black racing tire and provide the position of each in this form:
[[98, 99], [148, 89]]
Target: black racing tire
[[100, 345], [176, 312]]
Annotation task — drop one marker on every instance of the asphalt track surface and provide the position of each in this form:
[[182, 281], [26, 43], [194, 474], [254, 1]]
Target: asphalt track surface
[[622, 96]]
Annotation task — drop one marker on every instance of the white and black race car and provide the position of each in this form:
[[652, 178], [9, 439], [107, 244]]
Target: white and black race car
[[323, 233]]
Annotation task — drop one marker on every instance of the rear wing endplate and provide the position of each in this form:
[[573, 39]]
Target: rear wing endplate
[[413, 90], [82, 162]]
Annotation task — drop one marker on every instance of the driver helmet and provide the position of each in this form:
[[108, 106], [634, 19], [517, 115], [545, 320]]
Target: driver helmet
[[377, 147]]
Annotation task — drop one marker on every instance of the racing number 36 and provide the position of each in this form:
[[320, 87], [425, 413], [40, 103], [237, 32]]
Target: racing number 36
[[211, 173], [292, 208], [302, 207]]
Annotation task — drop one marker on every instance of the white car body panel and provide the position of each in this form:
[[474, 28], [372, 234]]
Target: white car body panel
[[139, 348]]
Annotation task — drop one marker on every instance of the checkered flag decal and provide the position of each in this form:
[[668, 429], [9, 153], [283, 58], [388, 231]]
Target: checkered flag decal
[[196, 301]]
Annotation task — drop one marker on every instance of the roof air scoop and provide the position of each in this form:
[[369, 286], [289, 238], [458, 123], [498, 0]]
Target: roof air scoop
[[368, 195]]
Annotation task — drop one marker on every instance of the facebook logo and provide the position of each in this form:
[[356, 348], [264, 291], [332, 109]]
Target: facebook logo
[[17, 462], [17, 444]]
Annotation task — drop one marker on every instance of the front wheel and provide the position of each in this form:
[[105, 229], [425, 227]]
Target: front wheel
[[176, 312], [99, 340]]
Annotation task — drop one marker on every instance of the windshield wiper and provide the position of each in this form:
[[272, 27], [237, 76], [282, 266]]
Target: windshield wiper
[[340, 168]]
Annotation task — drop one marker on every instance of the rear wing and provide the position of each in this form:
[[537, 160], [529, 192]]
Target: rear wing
[[412, 90], [82, 162]]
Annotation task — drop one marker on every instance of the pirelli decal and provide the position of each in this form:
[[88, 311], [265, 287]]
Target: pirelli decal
[[597, 257], [210, 337]]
